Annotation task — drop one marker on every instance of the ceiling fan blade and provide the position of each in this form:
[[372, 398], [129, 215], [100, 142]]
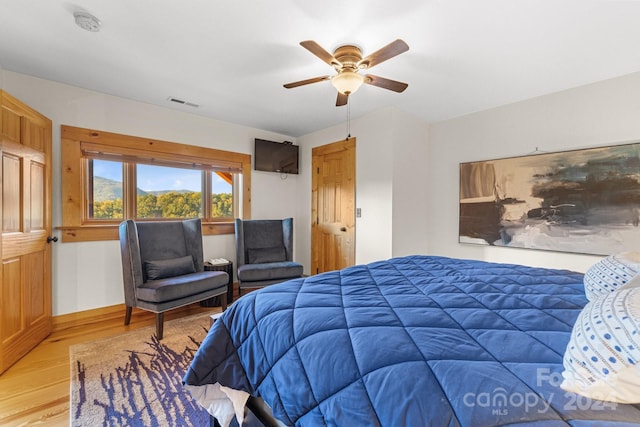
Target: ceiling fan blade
[[393, 85], [389, 51], [342, 99], [319, 51], [306, 82]]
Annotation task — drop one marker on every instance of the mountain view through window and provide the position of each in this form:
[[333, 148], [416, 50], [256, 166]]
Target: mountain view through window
[[161, 191]]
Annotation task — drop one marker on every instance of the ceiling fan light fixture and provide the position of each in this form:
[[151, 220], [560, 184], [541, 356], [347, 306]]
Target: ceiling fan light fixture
[[347, 82], [347, 60]]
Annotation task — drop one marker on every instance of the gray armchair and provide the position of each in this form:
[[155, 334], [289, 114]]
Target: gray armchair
[[264, 252], [163, 267]]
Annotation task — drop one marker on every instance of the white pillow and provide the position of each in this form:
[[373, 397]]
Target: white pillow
[[602, 360], [612, 273]]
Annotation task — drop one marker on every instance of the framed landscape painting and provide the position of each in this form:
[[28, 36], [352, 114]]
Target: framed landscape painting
[[583, 201]]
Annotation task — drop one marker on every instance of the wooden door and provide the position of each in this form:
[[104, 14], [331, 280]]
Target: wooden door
[[333, 206], [25, 208]]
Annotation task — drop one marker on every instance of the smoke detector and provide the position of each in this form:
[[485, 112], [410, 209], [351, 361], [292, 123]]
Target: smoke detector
[[87, 21]]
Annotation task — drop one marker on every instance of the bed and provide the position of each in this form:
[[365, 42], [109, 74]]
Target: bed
[[409, 341]]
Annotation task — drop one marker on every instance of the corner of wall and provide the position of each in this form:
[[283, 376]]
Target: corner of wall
[[409, 178]]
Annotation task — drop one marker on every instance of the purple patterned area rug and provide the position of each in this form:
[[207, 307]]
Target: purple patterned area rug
[[133, 379]]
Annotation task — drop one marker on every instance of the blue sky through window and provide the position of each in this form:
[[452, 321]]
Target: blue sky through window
[[159, 178]]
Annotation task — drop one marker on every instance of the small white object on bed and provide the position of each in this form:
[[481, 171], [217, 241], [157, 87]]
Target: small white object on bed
[[222, 402]]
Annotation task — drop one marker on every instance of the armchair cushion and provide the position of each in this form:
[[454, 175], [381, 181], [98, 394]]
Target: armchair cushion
[[269, 271], [161, 269], [174, 288], [262, 255]]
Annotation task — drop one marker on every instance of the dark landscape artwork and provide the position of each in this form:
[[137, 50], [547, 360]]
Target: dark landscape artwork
[[582, 201]]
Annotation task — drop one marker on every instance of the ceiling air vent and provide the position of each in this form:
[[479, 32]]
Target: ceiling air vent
[[180, 101]]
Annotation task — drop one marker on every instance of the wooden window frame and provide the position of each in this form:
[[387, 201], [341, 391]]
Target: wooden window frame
[[75, 142]]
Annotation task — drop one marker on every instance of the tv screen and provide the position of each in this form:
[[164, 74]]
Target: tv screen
[[273, 156]]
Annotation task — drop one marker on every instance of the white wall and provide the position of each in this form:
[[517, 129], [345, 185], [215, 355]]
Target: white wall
[[410, 208], [88, 275], [599, 114]]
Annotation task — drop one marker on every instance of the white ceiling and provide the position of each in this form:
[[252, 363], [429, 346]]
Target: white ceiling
[[232, 57]]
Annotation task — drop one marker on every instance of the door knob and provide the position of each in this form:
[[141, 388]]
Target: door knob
[[52, 239], [343, 229]]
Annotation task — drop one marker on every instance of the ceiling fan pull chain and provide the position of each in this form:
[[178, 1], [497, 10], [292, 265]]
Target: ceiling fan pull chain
[[348, 121]]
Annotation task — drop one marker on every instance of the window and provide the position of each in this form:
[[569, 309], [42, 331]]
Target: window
[[168, 192], [105, 189], [109, 177]]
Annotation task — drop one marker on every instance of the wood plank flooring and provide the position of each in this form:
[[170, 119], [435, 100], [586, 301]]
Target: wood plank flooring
[[35, 391]]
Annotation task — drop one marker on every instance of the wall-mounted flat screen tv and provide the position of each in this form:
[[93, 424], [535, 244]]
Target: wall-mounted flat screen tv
[[274, 156]]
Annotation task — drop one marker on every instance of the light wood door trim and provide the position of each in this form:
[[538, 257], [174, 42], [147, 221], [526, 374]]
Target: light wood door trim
[[333, 206]]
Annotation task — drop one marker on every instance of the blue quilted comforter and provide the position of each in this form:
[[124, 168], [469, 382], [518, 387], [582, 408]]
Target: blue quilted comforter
[[410, 341]]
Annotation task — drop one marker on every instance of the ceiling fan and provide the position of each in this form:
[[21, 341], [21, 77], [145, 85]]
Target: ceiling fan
[[347, 60]]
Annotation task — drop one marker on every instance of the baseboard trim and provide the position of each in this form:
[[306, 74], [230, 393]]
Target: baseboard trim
[[66, 321], [98, 315]]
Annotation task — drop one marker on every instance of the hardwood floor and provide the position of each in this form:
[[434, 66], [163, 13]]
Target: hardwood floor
[[35, 391]]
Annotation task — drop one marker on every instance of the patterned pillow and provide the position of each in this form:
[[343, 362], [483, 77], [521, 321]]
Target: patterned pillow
[[602, 360], [611, 273]]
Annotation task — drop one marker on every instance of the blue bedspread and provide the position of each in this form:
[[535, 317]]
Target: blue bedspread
[[412, 341]]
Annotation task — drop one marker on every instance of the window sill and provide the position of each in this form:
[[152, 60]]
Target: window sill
[[91, 233]]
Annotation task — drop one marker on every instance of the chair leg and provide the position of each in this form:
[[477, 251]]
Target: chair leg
[[127, 315], [223, 301], [159, 325]]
